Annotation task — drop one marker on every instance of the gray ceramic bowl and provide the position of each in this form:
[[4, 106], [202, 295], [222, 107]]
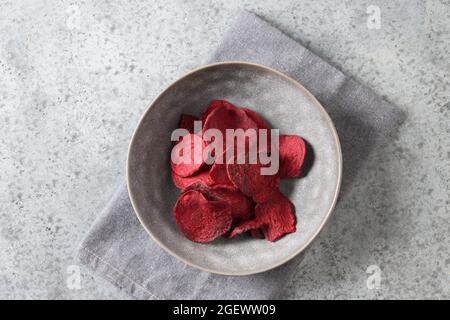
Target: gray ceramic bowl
[[287, 105]]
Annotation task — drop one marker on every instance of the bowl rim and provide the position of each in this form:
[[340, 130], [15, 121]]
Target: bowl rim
[[317, 104]]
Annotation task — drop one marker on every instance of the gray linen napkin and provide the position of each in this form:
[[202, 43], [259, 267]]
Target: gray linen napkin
[[118, 248]]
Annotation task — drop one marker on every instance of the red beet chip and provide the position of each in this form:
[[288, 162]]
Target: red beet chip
[[248, 178], [219, 176], [278, 215], [275, 217], [183, 165], [265, 195], [187, 122], [212, 106], [184, 182], [227, 116], [256, 118], [241, 206], [253, 224], [292, 155], [199, 219], [218, 173], [261, 125]]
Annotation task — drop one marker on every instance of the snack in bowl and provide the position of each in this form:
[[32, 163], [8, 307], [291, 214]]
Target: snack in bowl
[[239, 194], [270, 99]]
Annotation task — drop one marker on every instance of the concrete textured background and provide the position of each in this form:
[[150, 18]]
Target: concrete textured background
[[75, 77]]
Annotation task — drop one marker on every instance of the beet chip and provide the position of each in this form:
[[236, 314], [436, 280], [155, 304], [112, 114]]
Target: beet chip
[[253, 224], [187, 167], [265, 195], [256, 118], [278, 215], [241, 206], [275, 218], [187, 122], [199, 219], [292, 155], [212, 106], [227, 116], [219, 176], [184, 182], [248, 178]]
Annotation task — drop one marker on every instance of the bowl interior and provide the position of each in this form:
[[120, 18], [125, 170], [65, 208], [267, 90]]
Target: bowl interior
[[285, 105]]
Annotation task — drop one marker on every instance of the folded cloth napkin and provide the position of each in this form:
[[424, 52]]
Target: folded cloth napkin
[[117, 246]]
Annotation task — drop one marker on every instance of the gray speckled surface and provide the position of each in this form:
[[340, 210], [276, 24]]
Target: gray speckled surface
[[72, 91]]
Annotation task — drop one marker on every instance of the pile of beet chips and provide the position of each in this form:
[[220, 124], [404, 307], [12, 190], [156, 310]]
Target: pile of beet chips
[[229, 199]]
